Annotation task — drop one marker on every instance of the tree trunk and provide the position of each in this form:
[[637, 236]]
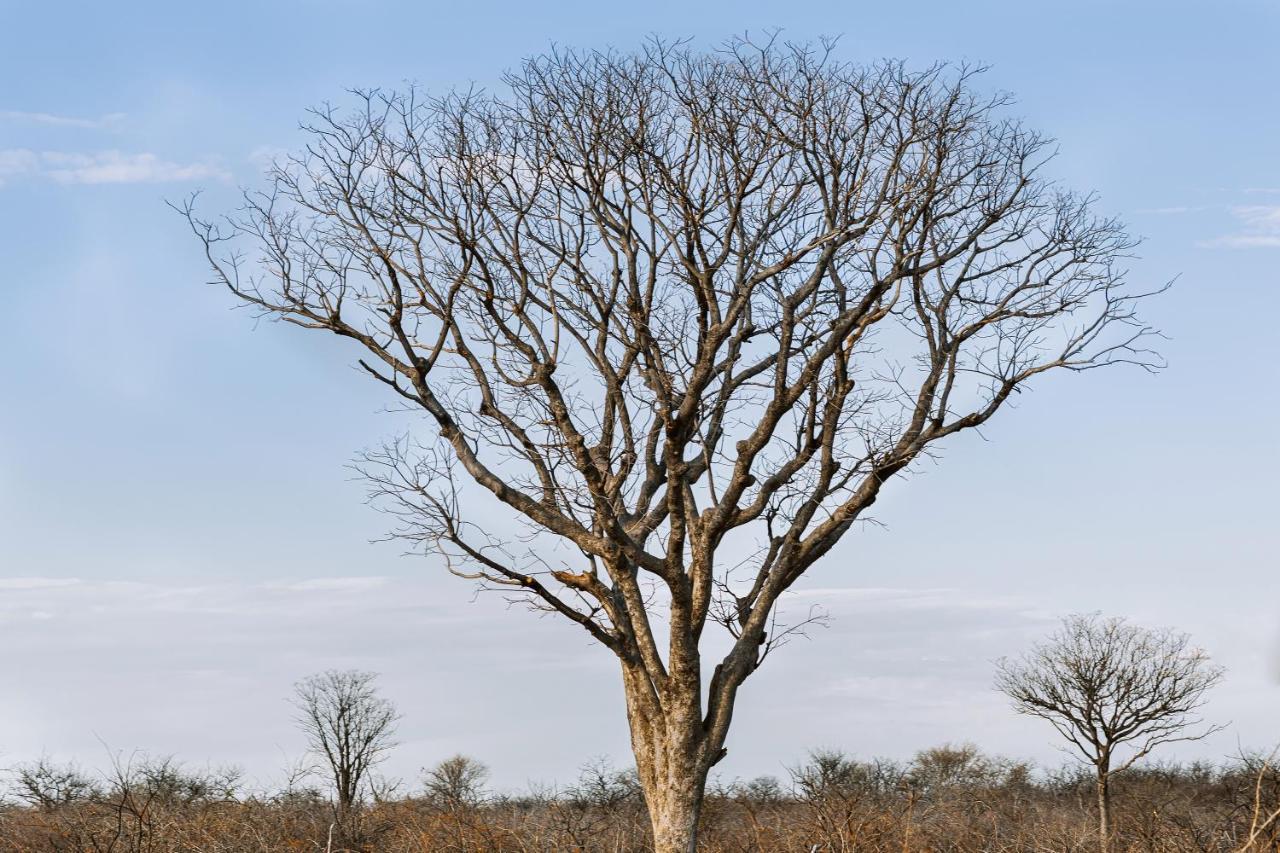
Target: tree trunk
[[673, 811], [670, 745], [1104, 812]]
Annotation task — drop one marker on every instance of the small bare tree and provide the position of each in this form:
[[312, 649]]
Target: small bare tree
[[348, 726], [673, 319], [456, 782], [49, 786], [1115, 691]]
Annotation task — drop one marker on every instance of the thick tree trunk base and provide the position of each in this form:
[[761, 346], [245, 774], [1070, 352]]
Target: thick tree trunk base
[[674, 816]]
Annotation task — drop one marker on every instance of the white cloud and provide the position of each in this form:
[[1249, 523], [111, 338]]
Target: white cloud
[[17, 161], [329, 584], [50, 119], [114, 167], [892, 599], [101, 167], [1243, 241], [202, 668], [265, 156], [36, 583], [1260, 216], [1259, 229]]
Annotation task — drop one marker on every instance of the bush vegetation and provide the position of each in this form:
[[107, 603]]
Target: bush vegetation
[[950, 798]]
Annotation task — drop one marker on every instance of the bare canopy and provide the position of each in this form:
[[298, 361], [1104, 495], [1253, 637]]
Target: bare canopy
[[348, 726], [1107, 686], [668, 306]]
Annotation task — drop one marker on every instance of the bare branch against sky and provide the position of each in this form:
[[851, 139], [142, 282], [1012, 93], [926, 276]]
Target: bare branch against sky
[[651, 304], [1107, 686]]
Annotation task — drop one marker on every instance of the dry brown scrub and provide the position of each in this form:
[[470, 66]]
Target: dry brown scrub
[[946, 799]]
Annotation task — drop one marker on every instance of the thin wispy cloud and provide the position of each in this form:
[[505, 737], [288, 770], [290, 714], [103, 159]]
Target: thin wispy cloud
[[1167, 211], [15, 162], [114, 167], [199, 653], [1259, 228], [265, 156], [36, 583], [329, 584], [52, 120], [904, 597], [101, 167]]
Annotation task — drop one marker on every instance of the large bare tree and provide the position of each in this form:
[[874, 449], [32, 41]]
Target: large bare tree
[[1114, 691], [678, 316]]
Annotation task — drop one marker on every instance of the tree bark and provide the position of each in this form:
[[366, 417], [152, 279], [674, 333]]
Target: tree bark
[[670, 748], [1104, 811], [674, 809]]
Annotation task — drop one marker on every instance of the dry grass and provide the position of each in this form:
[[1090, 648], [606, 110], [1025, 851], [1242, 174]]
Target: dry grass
[[947, 799]]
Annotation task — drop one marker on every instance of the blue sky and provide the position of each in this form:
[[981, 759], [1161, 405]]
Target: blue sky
[[180, 540]]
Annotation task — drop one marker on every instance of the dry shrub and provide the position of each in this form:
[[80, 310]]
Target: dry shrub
[[951, 799]]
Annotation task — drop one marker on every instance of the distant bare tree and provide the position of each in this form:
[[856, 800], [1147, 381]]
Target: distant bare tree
[[47, 785], [1105, 685], [457, 782], [348, 726], [673, 319]]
